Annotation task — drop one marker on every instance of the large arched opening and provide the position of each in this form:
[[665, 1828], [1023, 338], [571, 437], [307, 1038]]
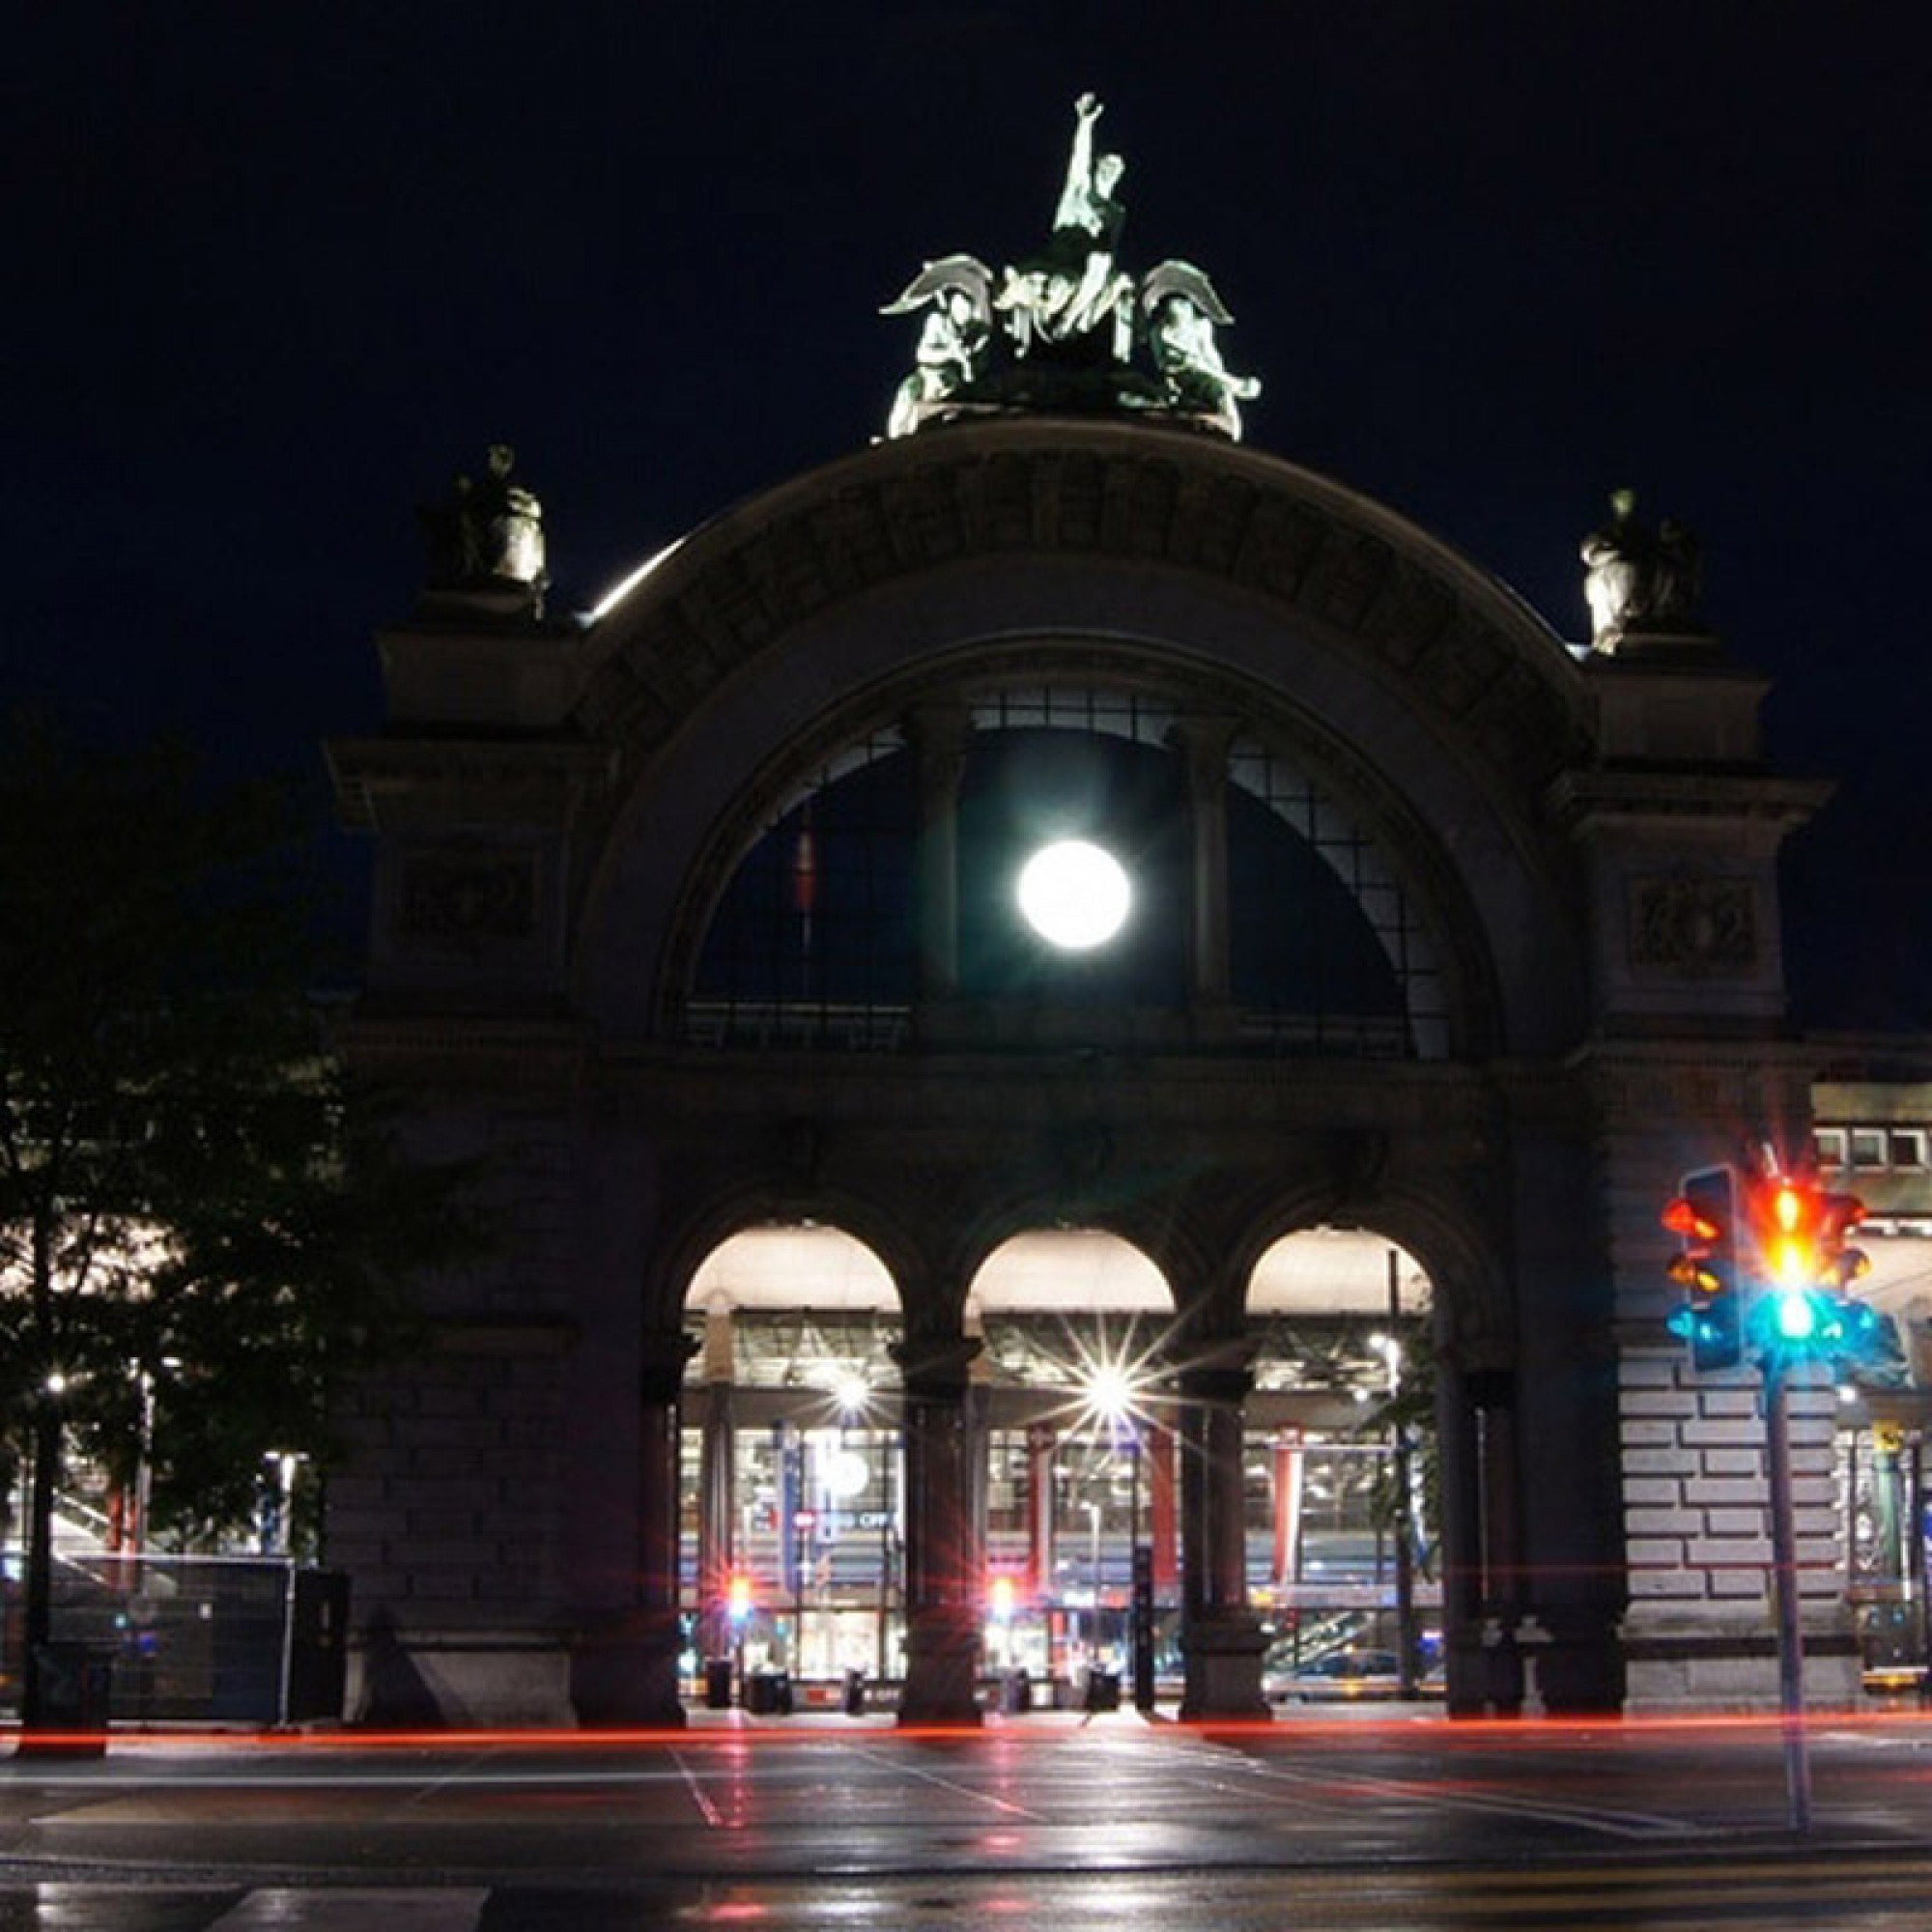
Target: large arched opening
[[1344, 1523], [791, 1496]]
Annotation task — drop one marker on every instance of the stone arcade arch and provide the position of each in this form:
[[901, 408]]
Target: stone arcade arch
[[1572, 856], [790, 1390], [1342, 1552]]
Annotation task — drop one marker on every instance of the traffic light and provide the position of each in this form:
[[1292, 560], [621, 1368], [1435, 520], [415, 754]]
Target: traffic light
[[1808, 1266], [1843, 1263], [1704, 1218], [1787, 1217]]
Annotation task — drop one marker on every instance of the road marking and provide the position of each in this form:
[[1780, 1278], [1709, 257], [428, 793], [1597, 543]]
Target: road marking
[[1613, 1824], [456, 1774], [953, 1785], [699, 1797], [394, 1909]]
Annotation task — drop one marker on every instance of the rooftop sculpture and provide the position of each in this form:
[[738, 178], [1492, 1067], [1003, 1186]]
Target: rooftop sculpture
[[487, 537], [1059, 330], [1640, 582]]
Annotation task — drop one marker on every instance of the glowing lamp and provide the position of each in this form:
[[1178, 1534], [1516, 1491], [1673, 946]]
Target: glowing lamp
[[1074, 894]]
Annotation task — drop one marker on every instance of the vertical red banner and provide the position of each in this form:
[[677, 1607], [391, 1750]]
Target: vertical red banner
[[1164, 1517], [1288, 1464]]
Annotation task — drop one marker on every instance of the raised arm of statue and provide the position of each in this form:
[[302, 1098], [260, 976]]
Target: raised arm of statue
[[1080, 199]]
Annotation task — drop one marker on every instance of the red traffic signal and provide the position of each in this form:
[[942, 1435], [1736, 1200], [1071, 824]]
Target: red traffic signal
[[1800, 1228], [1801, 1231], [1684, 1216], [1704, 1218]]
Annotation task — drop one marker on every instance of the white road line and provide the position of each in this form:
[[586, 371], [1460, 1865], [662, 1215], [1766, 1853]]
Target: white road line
[[1614, 1824], [952, 1784], [361, 1909], [699, 1797]]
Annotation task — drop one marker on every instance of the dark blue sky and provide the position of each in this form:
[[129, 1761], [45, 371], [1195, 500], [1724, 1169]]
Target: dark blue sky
[[280, 269]]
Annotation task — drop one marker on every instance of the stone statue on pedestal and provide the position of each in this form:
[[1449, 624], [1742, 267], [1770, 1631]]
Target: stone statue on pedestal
[[1637, 581], [488, 535]]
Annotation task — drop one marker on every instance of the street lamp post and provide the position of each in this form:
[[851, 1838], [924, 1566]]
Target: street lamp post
[[1140, 1615], [1114, 1396]]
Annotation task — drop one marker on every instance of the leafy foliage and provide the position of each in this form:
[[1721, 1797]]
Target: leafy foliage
[[195, 1193]]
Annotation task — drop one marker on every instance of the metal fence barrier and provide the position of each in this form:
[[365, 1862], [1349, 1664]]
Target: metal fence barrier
[[201, 1639]]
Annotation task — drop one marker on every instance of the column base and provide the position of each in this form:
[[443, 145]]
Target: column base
[[623, 1674], [1726, 1660], [942, 1670], [1223, 1660]]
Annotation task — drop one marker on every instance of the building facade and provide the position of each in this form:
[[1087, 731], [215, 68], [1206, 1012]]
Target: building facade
[[695, 916]]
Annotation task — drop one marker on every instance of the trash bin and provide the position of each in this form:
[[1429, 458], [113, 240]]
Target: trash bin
[[854, 1701], [70, 1686], [1016, 1693], [1103, 1689], [717, 1683], [768, 1693]]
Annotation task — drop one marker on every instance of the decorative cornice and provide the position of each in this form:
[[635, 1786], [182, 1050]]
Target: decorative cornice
[[464, 1048], [1333, 559], [540, 780], [1589, 798]]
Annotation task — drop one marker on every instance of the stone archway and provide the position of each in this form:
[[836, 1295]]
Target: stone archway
[[1341, 1441], [789, 1561], [750, 646], [1076, 1511], [560, 810]]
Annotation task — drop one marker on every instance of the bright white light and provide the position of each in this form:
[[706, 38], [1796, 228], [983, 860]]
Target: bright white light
[[1074, 894], [850, 1391], [846, 1475], [1111, 1391], [617, 594]]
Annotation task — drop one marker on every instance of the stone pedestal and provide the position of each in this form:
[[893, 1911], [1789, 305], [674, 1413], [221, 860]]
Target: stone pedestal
[[624, 1673], [1223, 1660], [942, 1668]]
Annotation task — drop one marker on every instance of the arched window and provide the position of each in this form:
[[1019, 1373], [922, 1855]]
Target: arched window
[[1327, 950], [814, 940]]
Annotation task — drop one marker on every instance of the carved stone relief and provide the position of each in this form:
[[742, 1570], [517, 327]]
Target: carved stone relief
[[1694, 925], [463, 896]]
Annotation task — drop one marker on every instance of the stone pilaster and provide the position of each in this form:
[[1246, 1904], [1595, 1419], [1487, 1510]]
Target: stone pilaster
[[1221, 1639], [941, 1577], [624, 1668]]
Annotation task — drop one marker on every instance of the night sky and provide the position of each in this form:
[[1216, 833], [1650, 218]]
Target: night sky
[[280, 269]]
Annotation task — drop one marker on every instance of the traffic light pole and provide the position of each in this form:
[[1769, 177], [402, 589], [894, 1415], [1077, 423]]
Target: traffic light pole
[[1781, 1235], [1784, 1589]]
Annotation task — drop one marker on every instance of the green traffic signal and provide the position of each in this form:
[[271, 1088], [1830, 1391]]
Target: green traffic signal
[[1765, 1267], [1795, 1317]]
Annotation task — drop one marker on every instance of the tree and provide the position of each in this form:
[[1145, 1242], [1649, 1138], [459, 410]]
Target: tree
[[204, 1220]]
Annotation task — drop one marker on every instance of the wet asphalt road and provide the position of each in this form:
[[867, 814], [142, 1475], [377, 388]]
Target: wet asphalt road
[[1112, 1822]]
